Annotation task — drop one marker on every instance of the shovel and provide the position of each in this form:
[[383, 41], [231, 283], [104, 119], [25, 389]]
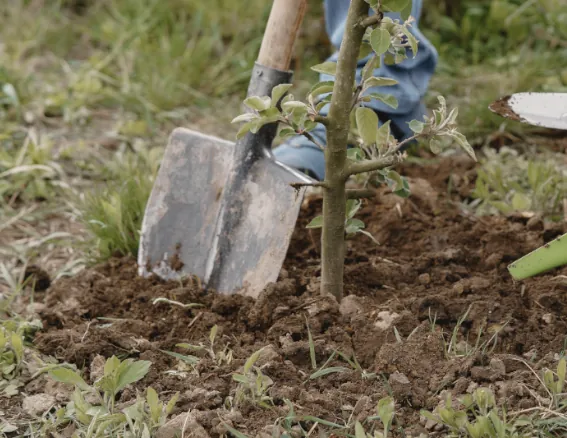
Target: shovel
[[548, 110], [222, 211]]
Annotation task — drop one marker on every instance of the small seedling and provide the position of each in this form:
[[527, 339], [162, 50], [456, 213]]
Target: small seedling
[[555, 383], [92, 408], [221, 357], [375, 151], [253, 385]]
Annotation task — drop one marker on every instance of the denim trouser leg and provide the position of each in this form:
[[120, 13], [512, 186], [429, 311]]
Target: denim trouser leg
[[413, 76]]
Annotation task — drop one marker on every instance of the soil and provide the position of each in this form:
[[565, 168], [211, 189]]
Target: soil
[[437, 267]]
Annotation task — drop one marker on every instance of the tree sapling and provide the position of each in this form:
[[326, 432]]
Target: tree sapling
[[374, 150]]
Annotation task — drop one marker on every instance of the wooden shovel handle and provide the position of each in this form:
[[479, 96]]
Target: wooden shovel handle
[[283, 25]]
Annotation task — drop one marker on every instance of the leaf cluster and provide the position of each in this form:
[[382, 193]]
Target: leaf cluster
[[92, 409]]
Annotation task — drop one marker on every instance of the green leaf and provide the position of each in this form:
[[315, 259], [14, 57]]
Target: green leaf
[[352, 206], [387, 99], [406, 12], [379, 82], [70, 377], [153, 403], [240, 378], [258, 103], [171, 404], [380, 41], [463, 142], [213, 334], [436, 146], [417, 126], [395, 5], [246, 117], [355, 154], [373, 3], [233, 431], [131, 372], [359, 431], [521, 202], [369, 67], [251, 361], [294, 106], [111, 365], [316, 223], [353, 226], [411, 40], [367, 123], [396, 179], [286, 131], [309, 125], [389, 59], [278, 91], [244, 129], [327, 68], [402, 188], [561, 374], [18, 346], [321, 88], [386, 411], [327, 371], [191, 360], [383, 135]]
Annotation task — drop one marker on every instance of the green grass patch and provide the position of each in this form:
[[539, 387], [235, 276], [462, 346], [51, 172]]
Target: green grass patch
[[509, 181]]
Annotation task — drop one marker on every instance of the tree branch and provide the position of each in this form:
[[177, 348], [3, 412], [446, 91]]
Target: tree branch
[[298, 185], [313, 140], [380, 163], [360, 193], [372, 20], [321, 119], [372, 165]]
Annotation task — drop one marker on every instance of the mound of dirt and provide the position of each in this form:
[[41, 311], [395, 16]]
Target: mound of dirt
[[436, 268]]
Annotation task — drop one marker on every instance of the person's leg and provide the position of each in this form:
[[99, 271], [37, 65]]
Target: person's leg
[[413, 76]]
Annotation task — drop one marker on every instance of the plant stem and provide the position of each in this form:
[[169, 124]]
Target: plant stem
[[380, 163], [360, 193], [334, 196]]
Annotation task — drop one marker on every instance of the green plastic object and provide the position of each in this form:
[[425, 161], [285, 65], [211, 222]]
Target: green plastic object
[[549, 256]]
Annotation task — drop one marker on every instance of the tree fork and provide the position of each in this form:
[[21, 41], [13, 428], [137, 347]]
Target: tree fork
[[334, 196]]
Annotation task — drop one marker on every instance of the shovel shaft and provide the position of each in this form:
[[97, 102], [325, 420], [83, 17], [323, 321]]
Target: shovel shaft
[[282, 28]]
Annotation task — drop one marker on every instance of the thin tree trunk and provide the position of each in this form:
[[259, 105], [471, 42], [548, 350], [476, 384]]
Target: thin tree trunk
[[334, 197]]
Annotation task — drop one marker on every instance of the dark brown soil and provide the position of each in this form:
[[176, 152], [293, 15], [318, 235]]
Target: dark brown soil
[[435, 263]]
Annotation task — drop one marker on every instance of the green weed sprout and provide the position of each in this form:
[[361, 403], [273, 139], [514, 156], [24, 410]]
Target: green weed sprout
[[92, 408]]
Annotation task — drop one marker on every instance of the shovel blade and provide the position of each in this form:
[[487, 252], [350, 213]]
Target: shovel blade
[[251, 249], [186, 230], [547, 110], [181, 214]]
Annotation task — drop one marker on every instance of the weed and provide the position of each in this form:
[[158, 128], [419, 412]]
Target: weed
[[253, 385], [92, 408], [220, 357], [555, 383], [27, 169], [509, 182], [113, 215]]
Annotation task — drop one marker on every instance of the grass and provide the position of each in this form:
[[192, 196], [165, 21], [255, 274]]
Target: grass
[[89, 95]]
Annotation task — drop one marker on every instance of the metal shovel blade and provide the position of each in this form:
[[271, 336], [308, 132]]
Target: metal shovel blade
[[548, 110], [233, 235]]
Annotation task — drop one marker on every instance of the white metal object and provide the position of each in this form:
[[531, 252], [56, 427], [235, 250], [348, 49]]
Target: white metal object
[[548, 110]]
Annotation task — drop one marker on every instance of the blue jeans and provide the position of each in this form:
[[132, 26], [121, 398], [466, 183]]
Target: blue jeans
[[413, 76]]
